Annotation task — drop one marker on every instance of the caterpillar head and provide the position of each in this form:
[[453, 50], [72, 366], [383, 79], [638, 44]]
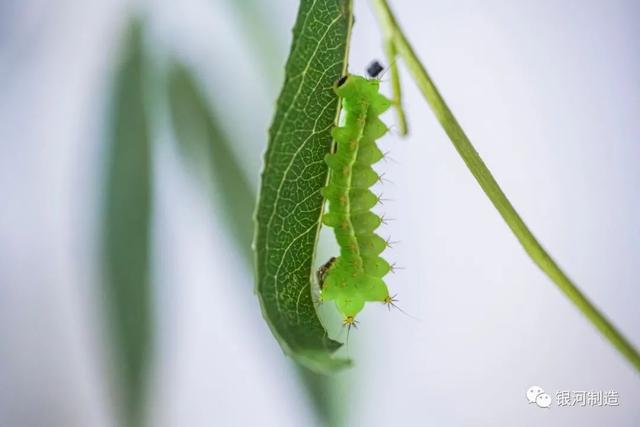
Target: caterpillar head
[[352, 86]]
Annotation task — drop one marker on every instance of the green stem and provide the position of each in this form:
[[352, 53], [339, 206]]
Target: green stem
[[492, 189], [392, 54]]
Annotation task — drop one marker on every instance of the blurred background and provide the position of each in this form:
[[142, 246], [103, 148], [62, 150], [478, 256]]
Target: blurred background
[[131, 136]]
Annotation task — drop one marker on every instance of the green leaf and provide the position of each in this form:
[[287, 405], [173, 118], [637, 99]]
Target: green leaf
[[126, 225], [290, 204]]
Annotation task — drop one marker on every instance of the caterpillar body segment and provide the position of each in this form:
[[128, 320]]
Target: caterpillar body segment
[[355, 276]]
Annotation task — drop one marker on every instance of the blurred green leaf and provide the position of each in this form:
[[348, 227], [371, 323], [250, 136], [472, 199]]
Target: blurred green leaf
[[290, 205], [207, 150], [127, 214], [257, 28]]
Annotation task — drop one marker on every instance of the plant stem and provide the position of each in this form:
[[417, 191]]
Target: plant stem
[[491, 188], [392, 54]]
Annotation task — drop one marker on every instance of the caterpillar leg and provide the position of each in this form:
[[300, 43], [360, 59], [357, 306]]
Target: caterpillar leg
[[318, 301]]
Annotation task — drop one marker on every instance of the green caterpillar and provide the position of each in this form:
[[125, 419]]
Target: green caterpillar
[[355, 277]]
